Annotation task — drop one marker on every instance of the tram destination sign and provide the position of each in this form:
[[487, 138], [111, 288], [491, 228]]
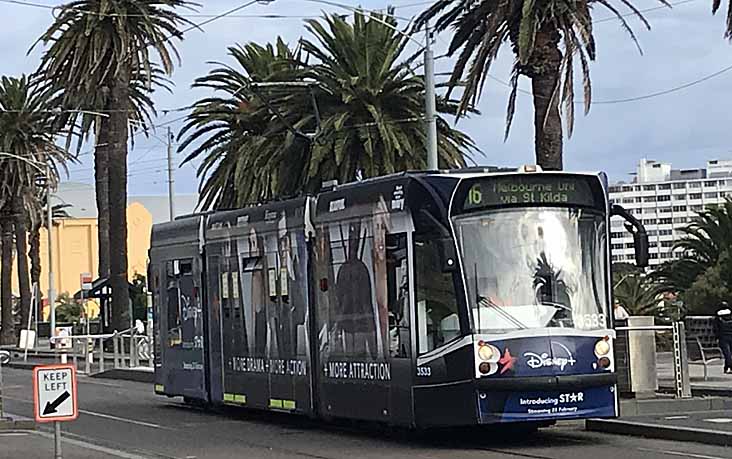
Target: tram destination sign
[[533, 190]]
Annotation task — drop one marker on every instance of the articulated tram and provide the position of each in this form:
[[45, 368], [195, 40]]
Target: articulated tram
[[419, 299]]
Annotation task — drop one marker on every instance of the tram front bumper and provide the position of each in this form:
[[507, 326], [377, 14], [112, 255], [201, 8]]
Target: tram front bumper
[[547, 398]]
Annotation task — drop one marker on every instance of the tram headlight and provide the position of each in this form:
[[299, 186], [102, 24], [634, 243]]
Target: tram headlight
[[487, 352], [602, 347]]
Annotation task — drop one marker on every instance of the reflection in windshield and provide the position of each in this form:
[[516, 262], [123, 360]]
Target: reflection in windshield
[[534, 268]]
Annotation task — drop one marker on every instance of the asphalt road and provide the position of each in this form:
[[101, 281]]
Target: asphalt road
[[127, 416]]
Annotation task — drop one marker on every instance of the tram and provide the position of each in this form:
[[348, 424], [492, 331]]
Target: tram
[[420, 299]]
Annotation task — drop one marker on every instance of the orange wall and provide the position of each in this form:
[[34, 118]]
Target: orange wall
[[75, 249]]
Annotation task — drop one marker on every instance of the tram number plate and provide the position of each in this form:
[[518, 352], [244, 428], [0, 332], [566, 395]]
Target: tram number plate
[[424, 371]]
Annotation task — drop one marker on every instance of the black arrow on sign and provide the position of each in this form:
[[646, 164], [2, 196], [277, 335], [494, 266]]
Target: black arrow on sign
[[51, 406]]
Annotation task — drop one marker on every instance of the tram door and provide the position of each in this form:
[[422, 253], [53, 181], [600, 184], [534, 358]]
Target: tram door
[[398, 299], [182, 328], [285, 275]]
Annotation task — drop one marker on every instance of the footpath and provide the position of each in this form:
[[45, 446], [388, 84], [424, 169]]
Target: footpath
[[35, 444], [705, 418]]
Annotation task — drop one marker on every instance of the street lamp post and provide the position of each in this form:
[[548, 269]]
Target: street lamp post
[[51, 286]]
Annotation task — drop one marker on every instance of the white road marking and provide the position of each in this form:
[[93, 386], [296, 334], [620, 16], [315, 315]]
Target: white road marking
[[105, 416], [719, 420], [672, 418], [130, 421], [13, 434], [680, 454]]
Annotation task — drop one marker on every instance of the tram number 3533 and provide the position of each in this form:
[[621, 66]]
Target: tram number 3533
[[424, 371]]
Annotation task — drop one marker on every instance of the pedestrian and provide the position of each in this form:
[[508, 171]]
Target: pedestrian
[[619, 311], [723, 330]]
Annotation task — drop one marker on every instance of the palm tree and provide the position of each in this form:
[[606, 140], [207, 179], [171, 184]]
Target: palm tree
[[728, 20], [639, 294], [237, 126], [103, 47], [368, 117], [707, 237], [373, 102], [27, 131], [545, 37]]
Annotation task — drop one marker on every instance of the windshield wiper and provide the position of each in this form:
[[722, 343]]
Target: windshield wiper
[[483, 301]]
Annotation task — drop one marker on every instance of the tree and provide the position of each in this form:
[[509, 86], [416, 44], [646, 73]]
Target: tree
[[68, 310], [707, 237], [373, 102], [7, 324], [639, 294], [236, 129], [545, 37], [27, 132], [711, 287], [368, 118], [728, 22], [102, 48]]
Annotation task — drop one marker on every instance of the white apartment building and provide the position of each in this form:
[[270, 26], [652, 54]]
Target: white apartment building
[[665, 199]]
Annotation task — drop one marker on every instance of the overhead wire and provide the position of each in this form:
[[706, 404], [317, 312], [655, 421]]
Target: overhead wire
[[193, 15]]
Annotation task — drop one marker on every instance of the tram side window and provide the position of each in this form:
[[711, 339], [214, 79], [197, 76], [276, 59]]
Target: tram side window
[[235, 287], [176, 271], [437, 308], [398, 294], [224, 288]]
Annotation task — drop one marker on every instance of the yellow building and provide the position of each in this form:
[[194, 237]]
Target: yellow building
[[75, 250]]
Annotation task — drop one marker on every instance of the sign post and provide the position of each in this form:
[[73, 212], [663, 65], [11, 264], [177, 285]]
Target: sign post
[[85, 279], [54, 397]]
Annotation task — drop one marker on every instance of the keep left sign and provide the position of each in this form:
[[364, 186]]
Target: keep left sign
[[54, 393]]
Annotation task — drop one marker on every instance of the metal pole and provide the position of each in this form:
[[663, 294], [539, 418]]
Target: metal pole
[[429, 94], [58, 454], [34, 298], [171, 180], [681, 361], [51, 291]]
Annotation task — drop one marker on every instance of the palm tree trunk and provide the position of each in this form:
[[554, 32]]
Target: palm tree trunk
[[34, 254], [101, 178], [7, 333], [118, 135], [545, 64], [21, 247]]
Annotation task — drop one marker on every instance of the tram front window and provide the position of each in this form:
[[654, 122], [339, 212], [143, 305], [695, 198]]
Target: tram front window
[[531, 268]]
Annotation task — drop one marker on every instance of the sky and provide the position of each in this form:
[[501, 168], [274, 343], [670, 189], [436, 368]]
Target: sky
[[685, 127]]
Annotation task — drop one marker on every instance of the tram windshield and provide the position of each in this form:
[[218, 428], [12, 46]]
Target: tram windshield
[[538, 267]]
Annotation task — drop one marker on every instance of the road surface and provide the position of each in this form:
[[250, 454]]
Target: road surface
[[125, 419]]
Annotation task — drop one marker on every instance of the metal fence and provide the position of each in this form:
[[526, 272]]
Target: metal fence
[[641, 354], [100, 352]]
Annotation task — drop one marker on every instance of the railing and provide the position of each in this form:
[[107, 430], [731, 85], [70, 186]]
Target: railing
[[130, 349], [682, 384]]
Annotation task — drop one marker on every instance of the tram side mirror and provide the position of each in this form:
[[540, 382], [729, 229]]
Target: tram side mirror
[[640, 237], [448, 255], [640, 241]]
